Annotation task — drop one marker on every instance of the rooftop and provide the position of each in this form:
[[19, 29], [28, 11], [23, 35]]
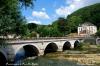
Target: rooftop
[[87, 24]]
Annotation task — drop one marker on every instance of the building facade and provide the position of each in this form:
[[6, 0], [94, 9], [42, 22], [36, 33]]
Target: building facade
[[87, 29]]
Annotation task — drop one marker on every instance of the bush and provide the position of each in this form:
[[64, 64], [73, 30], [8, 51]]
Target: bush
[[79, 46]]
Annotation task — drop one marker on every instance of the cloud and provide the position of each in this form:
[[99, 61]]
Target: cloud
[[43, 9], [36, 22], [29, 18], [77, 0], [73, 5], [62, 11], [40, 14]]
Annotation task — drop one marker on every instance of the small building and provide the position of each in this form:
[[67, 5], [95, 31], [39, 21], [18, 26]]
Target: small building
[[87, 29]]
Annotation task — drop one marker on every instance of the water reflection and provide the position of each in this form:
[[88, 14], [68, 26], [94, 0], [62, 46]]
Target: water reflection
[[45, 61]]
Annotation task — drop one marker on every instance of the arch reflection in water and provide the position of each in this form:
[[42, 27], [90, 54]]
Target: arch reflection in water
[[25, 52], [51, 47], [3, 59], [76, 44], [66, 46]]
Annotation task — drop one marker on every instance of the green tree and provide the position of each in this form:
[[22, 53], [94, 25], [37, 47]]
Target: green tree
[[40, 30], [48, 31], [95, 19], [27, 3], [32, 26], [73, 23], [11, 17], [98, 33], [54, 32], [21, 29], [7, 21], [61, 26]]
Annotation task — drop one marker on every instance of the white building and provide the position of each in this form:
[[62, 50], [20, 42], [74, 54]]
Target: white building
[[87, 29]]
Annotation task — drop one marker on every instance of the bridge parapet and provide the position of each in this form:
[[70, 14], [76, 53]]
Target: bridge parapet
[[44, 38], [33, 41]]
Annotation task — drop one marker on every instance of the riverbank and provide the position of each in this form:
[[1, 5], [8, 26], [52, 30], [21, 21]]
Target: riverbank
[[88, 55], [81, 59]]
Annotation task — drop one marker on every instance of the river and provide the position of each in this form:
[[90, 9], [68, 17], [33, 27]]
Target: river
[[49, 60]]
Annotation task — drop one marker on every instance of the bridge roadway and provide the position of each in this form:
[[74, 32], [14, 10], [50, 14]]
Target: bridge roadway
[[15, 50]]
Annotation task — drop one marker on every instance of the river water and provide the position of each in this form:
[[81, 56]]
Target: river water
[[48, 61], [42, 61]]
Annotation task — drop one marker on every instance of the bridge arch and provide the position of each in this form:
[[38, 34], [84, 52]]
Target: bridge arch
[[76, 43], [25, 52], [66, 46], [51, 47], [3, 58]]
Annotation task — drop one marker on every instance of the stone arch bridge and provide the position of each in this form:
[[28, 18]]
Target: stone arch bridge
[[18, 49]]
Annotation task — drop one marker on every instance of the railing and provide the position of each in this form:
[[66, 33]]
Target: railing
[[40, 39], [43, 38]]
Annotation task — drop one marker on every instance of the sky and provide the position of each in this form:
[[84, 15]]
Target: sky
[[47, 11]]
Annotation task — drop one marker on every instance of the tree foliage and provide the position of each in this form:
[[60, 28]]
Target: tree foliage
[[11, 19], [98, 33], [90, 13], [32, 26], [73, 23], [27, 3], [61, 26]]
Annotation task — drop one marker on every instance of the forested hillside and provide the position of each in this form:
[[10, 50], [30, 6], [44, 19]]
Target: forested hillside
[[90, 13]]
